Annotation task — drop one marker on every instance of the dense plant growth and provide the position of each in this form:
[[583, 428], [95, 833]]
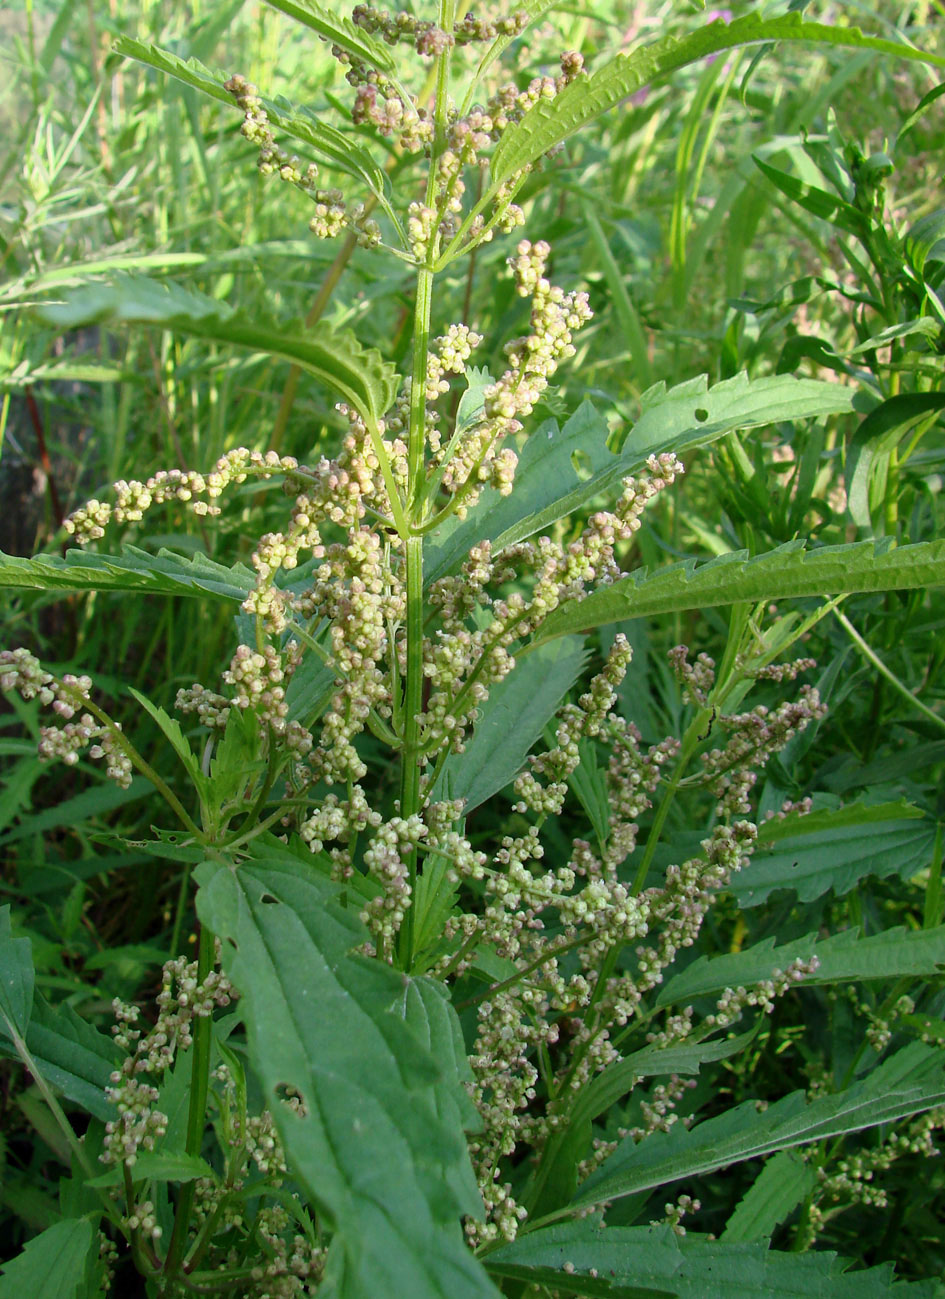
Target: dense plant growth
[[520, 869]]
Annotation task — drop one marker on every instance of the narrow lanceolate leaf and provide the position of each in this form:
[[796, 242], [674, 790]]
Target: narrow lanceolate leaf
[[842, 958], [788, 572], [776, 1192], [133, 570], [360, 375], [834, 850], [587, 1258], [909, 1083], [333, 147], [552, 121], [54, 1264], [547, 483], [380, 1147], [511, 720]]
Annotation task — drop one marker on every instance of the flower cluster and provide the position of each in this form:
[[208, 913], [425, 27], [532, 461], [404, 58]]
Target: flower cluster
[[851, 1181], [532, 360], [196, 490], [331, 212], [426, 37], [69, 697], [183, 997]]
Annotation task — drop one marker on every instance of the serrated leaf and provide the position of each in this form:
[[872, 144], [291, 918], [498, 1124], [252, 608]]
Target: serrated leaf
[[16, 978], [555, 1180], [53, 1264], [548, 486], [788, 572], [910, 1082], [374, 1149], [842, 958], [73, 1056], [338, 30], [778, 1189], [511, 720], [551, 122], [833, 850], [360, 375], [133, 570], [588, 1258]]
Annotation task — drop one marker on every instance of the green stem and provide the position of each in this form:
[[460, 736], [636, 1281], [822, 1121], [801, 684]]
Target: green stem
[[413, 708], [694, 734], [143, 766], [870, 654], [197, 1112]]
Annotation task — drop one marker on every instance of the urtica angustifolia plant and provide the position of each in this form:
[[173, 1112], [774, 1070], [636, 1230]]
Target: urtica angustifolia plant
[[441, 1035]]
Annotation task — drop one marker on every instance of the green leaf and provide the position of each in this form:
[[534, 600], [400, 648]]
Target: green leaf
[[588, 1258], [360, 375], [817, 201], [158, 1166], [73, 1056], [379, 1148], [879, 433], [834, 849], [926, 234], [910, 1082], [616, 1080], [16, 978], [842, 958], [589, 784], [552, 121], [511, 720], [555, 1180], [340, 31], [172, 731], [778, 1189], [133, 570], [788, 572], [54, 1263], [548, 486]]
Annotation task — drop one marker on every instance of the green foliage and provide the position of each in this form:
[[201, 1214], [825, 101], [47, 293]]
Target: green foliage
[[368, 1051], [907, 1083], [650, 1263], [461, 933]]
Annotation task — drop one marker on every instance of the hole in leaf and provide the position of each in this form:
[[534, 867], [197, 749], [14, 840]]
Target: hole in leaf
[[581, 464], [290, 1096], [701, 414], [268, 900]]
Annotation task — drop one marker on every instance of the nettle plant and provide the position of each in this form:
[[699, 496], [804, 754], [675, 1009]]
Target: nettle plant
[[435, 1041]]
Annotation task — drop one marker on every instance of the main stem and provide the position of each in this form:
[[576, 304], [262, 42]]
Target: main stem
[[411, 757]]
